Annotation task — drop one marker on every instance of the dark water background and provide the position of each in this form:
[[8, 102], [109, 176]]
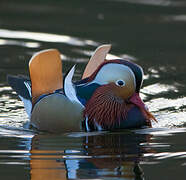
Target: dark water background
[[150, 32]]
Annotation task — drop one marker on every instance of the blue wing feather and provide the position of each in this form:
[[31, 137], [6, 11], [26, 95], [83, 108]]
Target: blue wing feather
[[22, 86]]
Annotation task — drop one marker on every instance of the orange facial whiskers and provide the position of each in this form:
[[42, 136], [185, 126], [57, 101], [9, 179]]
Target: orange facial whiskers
[[105, 108]]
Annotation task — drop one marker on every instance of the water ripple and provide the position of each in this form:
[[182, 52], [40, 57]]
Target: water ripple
[[171, 3], [46, 37], [165, 155], [158, 88], [19, 43]]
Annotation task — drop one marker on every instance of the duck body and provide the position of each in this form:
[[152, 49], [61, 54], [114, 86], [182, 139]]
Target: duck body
[[107, 99], [52, 112], [55, 112]]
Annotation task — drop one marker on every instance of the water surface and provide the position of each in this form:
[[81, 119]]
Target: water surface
[[150, 33]]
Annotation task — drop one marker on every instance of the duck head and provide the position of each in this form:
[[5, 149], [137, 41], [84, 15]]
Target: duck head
[[111, 96]]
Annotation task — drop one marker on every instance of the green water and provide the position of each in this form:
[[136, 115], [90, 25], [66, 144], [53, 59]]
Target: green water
[[150, 33]]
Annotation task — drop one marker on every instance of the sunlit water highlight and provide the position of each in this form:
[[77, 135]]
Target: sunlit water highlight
[[44, 37], [169, 3]]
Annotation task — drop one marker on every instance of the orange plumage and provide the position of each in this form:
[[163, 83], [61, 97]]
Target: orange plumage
[[106, 108]]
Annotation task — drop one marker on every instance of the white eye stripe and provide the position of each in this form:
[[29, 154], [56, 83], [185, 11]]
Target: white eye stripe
[[112, 73], [120, 83]]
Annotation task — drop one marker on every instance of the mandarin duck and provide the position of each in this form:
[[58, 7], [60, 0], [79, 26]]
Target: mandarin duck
[[106, 98]]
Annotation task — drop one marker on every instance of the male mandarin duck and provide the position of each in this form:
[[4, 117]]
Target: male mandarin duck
[[106, 98]]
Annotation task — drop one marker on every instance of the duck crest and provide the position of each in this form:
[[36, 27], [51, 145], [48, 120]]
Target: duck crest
[[105, 108], [91, 78], [137, 70]]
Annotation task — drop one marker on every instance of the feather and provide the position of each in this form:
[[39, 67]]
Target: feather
[[69, 88], [104, 109], [22, 86]]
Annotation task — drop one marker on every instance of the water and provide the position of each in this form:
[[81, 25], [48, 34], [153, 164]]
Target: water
[[151, 33]]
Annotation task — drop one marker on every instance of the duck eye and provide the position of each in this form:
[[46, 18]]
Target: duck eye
[[120, 83]]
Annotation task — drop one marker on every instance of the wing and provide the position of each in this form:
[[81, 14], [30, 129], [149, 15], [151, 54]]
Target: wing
[[22, 86], [97, 58], [45, 73]]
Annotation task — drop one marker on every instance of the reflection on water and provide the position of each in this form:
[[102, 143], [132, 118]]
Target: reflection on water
[[117, 155], [149, 32], [107, 156]]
